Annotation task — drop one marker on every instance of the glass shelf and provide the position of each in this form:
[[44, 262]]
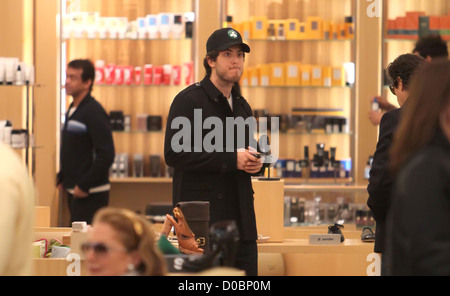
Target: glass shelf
[[126, 39], [302, 40], [298, 86]]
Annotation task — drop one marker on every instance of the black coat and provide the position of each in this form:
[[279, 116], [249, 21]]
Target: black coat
[[211, 176], [418, 229], [381, 180], [87, 147]]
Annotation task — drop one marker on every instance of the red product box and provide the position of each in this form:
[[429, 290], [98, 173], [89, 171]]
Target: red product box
[[167, 74], [188, 69], [157, 75], [110, 74], [401, 27], [137, 75], [148, 74], [412, 24], [119, 76], [128, 75], [176, 74], [99, 72]]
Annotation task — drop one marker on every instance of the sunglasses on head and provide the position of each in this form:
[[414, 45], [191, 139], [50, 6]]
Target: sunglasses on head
[[98, 248]]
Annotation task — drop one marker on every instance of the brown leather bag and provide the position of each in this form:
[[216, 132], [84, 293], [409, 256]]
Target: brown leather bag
[[196, 214]]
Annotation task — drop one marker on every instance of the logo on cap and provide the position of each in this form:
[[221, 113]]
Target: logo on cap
[[232, 34]]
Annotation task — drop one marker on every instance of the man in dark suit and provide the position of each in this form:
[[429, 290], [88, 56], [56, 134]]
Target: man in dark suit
[[380, 185], [209, 164], [87, 146]]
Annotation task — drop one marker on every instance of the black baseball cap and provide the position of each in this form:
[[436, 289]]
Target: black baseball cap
[[225, 38]]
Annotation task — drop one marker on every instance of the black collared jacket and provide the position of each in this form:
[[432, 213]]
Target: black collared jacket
[[87, 147], [210, 175], [418, 228]]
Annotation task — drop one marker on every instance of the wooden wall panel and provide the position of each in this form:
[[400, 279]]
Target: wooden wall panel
[[279, 100]]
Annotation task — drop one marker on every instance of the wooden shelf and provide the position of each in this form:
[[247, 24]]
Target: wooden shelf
[[334, 188], [298, 86], [161, 180], [302, 40], [292, 182]]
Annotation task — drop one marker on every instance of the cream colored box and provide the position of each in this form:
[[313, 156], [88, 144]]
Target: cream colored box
[[277, 74]]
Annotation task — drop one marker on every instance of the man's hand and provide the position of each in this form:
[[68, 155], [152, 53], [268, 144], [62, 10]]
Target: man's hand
[[384, 104], [77, 192], [247, 162], [375, 117]]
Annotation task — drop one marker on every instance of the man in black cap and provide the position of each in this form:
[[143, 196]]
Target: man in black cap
[[221, 175]]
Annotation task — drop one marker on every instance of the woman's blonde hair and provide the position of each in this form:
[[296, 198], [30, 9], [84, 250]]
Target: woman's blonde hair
[[136, 234]]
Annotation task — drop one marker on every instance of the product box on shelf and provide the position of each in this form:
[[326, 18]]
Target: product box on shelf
[[293, 73], [246, 30], [338, 77], [326, 30], [305, 77], [259, 27], [327, 73], [335, 31], [302, 31], [245, 78], [264, 75], [314, 29], [254, 76], [292, 29], [280, 29], [277, 74], [316, 75]]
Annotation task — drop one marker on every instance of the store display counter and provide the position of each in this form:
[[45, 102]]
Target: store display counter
[[300, 258]]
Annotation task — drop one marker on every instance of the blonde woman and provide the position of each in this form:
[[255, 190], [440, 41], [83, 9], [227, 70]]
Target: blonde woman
[[122, 243]]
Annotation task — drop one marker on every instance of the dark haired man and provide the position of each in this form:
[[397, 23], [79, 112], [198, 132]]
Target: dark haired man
[[221, 177], [87, 147], [400, 71], [430, 47]]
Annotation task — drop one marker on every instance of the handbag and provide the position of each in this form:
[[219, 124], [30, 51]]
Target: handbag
[[197, 216]]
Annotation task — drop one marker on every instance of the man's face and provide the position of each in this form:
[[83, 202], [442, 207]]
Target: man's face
[[74, 83], [229, 64]]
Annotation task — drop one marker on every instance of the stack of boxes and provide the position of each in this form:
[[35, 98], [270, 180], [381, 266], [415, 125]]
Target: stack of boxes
[[314, 28], [417, 24], [295, 74]]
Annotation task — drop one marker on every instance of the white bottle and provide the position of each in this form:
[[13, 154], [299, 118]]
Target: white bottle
[[141, 28], [19, 75], [375, 105], [165, 21], [152, 26], [178, 26]]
